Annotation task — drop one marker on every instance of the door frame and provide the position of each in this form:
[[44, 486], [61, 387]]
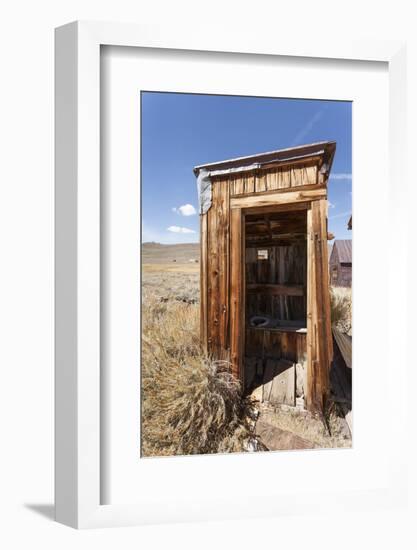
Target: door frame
[[238, 277], [237, 306]]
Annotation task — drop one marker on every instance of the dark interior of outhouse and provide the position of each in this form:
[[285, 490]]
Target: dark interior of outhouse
[[276, 286]]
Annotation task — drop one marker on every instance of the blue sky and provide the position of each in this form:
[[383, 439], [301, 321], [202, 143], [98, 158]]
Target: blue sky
[[180, 131]]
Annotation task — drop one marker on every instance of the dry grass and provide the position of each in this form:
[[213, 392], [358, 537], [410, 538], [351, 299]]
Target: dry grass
[[341, 308], [190, 405], [174, 284]]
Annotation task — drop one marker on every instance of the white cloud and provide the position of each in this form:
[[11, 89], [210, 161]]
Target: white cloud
[[150, 233], [340, 176], [331, 205], [177, 229], [185, 210]]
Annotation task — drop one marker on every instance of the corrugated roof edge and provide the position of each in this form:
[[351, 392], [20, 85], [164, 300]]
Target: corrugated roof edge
[[299, 151]]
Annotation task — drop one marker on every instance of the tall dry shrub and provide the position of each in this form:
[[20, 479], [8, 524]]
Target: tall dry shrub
[[341, 308], [190, 404]]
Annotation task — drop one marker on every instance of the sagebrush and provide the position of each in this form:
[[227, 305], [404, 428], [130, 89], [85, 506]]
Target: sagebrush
[[190, 404], [341, 308]]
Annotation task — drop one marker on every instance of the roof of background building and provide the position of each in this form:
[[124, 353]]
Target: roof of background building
[[344, 250]]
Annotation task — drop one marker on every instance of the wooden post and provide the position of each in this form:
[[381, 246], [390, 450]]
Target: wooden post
[[319, 343], [237, 266]]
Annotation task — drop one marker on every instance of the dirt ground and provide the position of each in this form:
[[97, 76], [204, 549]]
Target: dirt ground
[[313, 429]]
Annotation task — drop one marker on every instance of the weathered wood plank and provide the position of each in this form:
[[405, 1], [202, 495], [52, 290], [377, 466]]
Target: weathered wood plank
[[323, 203], [224, 253], [237, 306], [250, 184], [212, 284], [203, 281], [321, 270], [283, 384], [275, 289], [213, 287], [294, 163], [218, 271], [344, 343], [311, 351], [318, 321], [277, 207], [296, 177], [277, 198], [268, 379], [300, 378], [236, 190], [284, 177], [311, 174], [238, 185]]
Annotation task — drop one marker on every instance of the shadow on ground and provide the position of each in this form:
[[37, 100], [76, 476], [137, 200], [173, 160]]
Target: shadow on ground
[[45, 510]]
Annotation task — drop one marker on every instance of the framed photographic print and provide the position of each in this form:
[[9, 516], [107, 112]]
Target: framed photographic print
[[211, 302]]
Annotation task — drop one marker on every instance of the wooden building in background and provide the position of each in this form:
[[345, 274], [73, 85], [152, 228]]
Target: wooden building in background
[[340, 263], [264, 266]]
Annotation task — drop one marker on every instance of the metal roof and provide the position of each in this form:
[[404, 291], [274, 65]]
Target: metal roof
[[344, 250], [325, 148]]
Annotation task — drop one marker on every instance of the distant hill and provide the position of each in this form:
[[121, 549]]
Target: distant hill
[[157, 253]]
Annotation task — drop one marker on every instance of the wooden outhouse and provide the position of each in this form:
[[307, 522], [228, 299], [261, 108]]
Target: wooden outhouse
[[264, 267]]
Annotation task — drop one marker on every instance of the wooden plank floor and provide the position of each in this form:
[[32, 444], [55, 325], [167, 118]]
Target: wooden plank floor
[[283, 383], [275, 378]]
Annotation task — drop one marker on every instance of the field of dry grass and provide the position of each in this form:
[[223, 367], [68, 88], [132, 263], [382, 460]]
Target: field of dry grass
[[171, 284], [191, 405]]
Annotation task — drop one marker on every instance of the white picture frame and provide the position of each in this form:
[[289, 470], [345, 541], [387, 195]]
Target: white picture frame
[[78, 404]]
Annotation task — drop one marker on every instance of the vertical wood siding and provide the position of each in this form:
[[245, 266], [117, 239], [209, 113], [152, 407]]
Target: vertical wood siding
[[203, 280], [237, 299], [218, 224], [262, 181]]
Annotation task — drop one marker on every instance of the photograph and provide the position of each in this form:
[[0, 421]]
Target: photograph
[[187, 186], [246, 274]]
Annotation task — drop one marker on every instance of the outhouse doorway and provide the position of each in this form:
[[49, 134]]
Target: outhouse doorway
[[276, 303]]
